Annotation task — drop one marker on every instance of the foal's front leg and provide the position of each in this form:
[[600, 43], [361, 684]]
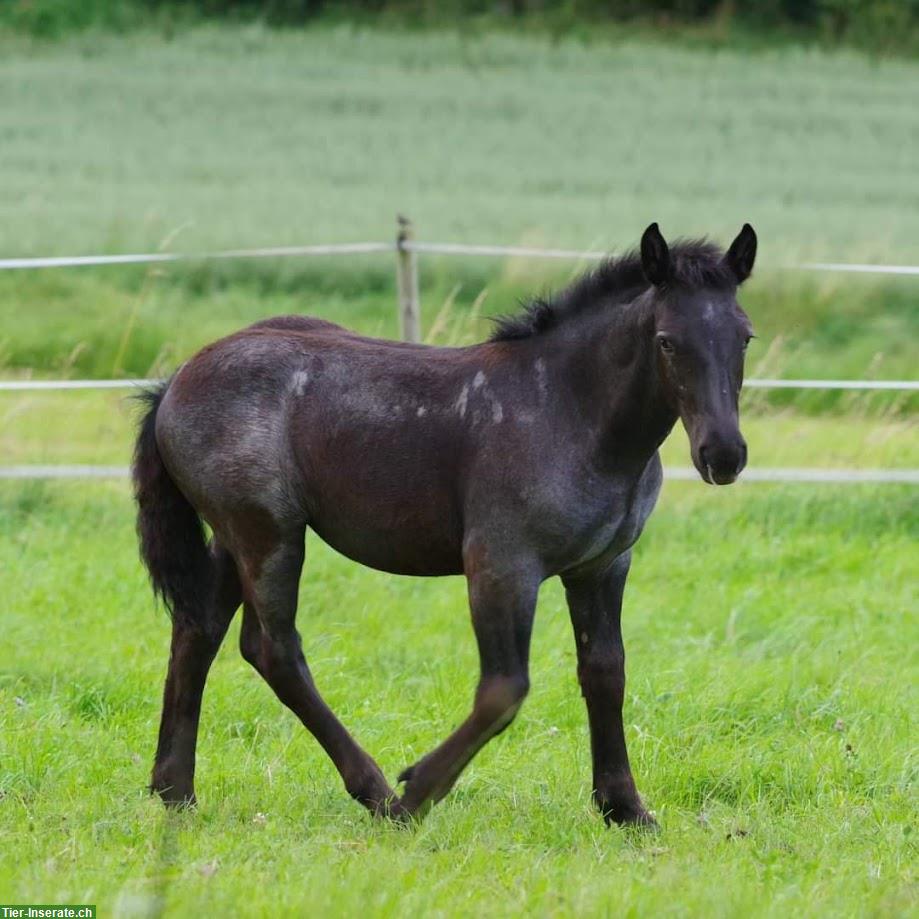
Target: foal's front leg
[[595, 604], [502, 597]]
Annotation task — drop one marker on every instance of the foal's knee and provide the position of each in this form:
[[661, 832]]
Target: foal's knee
[[499, 698]]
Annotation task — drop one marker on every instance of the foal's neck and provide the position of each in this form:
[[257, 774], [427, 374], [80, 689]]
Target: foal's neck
[[611, 360]]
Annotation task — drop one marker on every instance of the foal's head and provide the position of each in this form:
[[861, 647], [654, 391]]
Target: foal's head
[[701, 334]]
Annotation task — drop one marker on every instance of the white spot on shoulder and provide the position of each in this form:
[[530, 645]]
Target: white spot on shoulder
[[497, 412], [461, 402], [709, 312], [422, 411], [299, 382], [478, 380]]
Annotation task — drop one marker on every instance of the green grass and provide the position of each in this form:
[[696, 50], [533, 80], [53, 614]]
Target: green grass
[[771, 636]]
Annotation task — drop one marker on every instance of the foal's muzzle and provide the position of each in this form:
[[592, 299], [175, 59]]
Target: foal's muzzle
[[721, 460]]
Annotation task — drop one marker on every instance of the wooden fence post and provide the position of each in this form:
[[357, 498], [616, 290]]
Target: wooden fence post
[[407, 277]]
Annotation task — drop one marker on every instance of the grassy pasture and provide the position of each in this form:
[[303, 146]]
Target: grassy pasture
[[772, 644], [772, 631]]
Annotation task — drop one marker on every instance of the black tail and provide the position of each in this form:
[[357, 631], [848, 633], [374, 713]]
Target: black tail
[[172, 542]]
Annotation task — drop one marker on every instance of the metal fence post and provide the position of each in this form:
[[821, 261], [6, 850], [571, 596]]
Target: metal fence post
[[407, 277]]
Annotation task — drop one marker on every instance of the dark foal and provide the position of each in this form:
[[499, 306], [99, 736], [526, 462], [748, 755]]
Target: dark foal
[[530, 455]]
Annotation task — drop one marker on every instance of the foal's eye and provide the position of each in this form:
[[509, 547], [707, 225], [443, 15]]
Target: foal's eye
[[666, 344], [747, 341]]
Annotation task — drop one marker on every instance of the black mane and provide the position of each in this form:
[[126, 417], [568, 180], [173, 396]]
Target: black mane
[[695, 263]]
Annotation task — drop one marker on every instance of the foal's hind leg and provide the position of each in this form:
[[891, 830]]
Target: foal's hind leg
[[502, 596], [270, 642], [196, 637]]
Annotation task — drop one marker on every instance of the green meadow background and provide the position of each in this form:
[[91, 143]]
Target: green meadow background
[[771, 629]]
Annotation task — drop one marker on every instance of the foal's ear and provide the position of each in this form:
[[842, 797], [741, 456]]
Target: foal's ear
[[655, 256], [742, 254]]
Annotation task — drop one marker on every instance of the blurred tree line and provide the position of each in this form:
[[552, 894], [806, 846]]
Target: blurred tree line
[[881, 24]]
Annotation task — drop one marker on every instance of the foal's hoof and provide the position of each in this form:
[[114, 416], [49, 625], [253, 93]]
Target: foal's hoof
[[174, 798], [174, 781], [371, 789], [625, 810], [636, 817], [389, 809], [417, 798], [406, 774]]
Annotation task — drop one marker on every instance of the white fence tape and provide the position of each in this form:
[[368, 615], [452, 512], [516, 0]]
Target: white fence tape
[[362, 248], [674, 473], [64, 472], [804, 474], [503, 251], [40, 385], [142, 258], [859, 269], [832, 384]]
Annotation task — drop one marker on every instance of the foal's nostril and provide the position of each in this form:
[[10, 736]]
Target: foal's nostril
[[742, 457]]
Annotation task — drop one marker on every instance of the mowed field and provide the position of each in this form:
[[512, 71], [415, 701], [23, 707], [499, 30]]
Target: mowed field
[[247, 137], [771, 630]]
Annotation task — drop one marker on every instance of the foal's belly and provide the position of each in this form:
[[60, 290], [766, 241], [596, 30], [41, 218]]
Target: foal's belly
[[391, 521], [422, 554]]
